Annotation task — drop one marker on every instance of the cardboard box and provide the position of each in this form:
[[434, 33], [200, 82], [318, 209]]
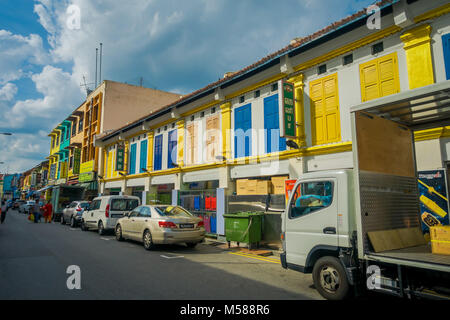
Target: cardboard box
[[251, 187], [278, 184], [263, 187], [440, 240], [241, 187]]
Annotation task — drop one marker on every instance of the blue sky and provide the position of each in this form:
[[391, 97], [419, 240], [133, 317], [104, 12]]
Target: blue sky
[[175, 45]]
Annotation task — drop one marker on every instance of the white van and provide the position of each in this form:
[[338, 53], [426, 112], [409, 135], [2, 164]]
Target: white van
[[104, 211]]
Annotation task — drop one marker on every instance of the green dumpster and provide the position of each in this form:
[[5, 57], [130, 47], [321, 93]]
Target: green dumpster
[[243, 227]]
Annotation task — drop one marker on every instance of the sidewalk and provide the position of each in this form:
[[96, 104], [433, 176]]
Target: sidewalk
[[265, 249]]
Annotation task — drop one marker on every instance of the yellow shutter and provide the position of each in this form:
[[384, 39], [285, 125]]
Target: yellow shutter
[[109, 168], [379, 77], [325, 118]]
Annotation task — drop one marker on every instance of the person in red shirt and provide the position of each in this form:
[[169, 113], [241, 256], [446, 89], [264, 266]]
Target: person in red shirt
[[48, 212]]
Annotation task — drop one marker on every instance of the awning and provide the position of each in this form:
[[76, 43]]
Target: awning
[[45, 188], [419, 109], [89, 185]]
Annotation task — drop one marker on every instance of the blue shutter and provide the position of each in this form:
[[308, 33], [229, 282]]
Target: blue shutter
[[446, 47], [143, 157], [172, 150], [273, 140], [243, 121], [157, 163], [133, 159]]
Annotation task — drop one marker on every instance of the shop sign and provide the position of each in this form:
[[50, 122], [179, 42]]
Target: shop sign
[[287, 109], [76, 161], [87, 167], [120, 158], [86, 176]]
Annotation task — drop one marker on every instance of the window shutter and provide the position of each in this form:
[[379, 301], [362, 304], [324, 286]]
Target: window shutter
[[158, 153], [446, 48], [143, 156], [243, 121]]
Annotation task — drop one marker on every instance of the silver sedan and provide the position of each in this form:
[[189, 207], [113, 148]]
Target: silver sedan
[[160, 225]]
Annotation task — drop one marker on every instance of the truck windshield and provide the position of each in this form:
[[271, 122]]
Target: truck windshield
[[310, 197]]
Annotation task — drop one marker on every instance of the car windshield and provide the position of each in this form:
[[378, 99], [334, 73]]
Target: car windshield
[[85, 205], [124, 204], [172, 211]]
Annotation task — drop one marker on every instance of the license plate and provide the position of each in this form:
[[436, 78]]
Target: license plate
[[186, 226]]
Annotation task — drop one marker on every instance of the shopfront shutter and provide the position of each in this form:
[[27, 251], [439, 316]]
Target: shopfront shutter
[[446, 48], [243, 121], [158, 153], [272, 125], [172, 150], [143, 156]]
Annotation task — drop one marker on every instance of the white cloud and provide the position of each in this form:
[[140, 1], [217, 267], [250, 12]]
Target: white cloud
[[8, 91]]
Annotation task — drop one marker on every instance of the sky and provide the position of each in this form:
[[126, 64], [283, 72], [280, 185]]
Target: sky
[[48, 46]]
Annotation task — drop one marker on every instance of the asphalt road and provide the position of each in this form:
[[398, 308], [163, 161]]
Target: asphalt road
[[34, 259]]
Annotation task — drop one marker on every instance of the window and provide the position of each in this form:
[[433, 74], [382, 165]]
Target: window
[[202, 114], [95, 205], [172, 211], [257, 94], [242, 131], [133, 159], [377, 48], [136, 212], [275, 87], [191, 144], [348, 59], [446, 47], [80, 124], [145, 212], [213, 110], [310, 197], [242, 99], [192, 118], [172, 150], [67, 133], [123, 204], [322, 69], [143, 156], [274, 142], [74, 128], [325, 119], [379, 77], [212, 138], [157, 163]]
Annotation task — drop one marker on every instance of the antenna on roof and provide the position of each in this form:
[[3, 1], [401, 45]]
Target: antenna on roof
[[141, 81], [101, 54], [86, 86], [96, 65]]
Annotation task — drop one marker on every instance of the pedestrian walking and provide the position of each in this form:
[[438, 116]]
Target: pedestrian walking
[[3, 210], [36, 209], [48, 212]]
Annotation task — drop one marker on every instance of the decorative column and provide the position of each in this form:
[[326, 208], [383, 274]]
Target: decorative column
[[226, 130], [150, 135], [299, 109], [417, 45]]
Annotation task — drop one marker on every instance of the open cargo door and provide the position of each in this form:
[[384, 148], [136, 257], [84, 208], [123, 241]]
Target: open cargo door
[[384, 158]]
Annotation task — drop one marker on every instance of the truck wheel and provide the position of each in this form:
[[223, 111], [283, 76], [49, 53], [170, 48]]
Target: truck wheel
[[330, 278], [101, 229]]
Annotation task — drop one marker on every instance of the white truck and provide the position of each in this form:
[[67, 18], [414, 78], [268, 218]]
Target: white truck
[[359, 229]]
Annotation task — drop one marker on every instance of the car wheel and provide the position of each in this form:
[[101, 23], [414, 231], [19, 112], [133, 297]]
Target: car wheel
[[62, 219], [148, 240], [83, 226], [101, 229], [119, 233], [191, 244], [73, 224], [330, 279]]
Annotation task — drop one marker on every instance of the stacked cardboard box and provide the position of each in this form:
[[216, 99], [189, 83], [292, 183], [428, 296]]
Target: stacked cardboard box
[[440, 240], [253, 187], [278, 184]]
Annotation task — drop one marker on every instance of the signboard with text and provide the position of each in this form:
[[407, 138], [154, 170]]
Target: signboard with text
[[120, 157], [287, 109]]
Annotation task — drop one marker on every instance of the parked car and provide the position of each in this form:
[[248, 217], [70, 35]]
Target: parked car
[[104, 211], [161, 225], [17, 204], [24, 208], [73, 213]]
